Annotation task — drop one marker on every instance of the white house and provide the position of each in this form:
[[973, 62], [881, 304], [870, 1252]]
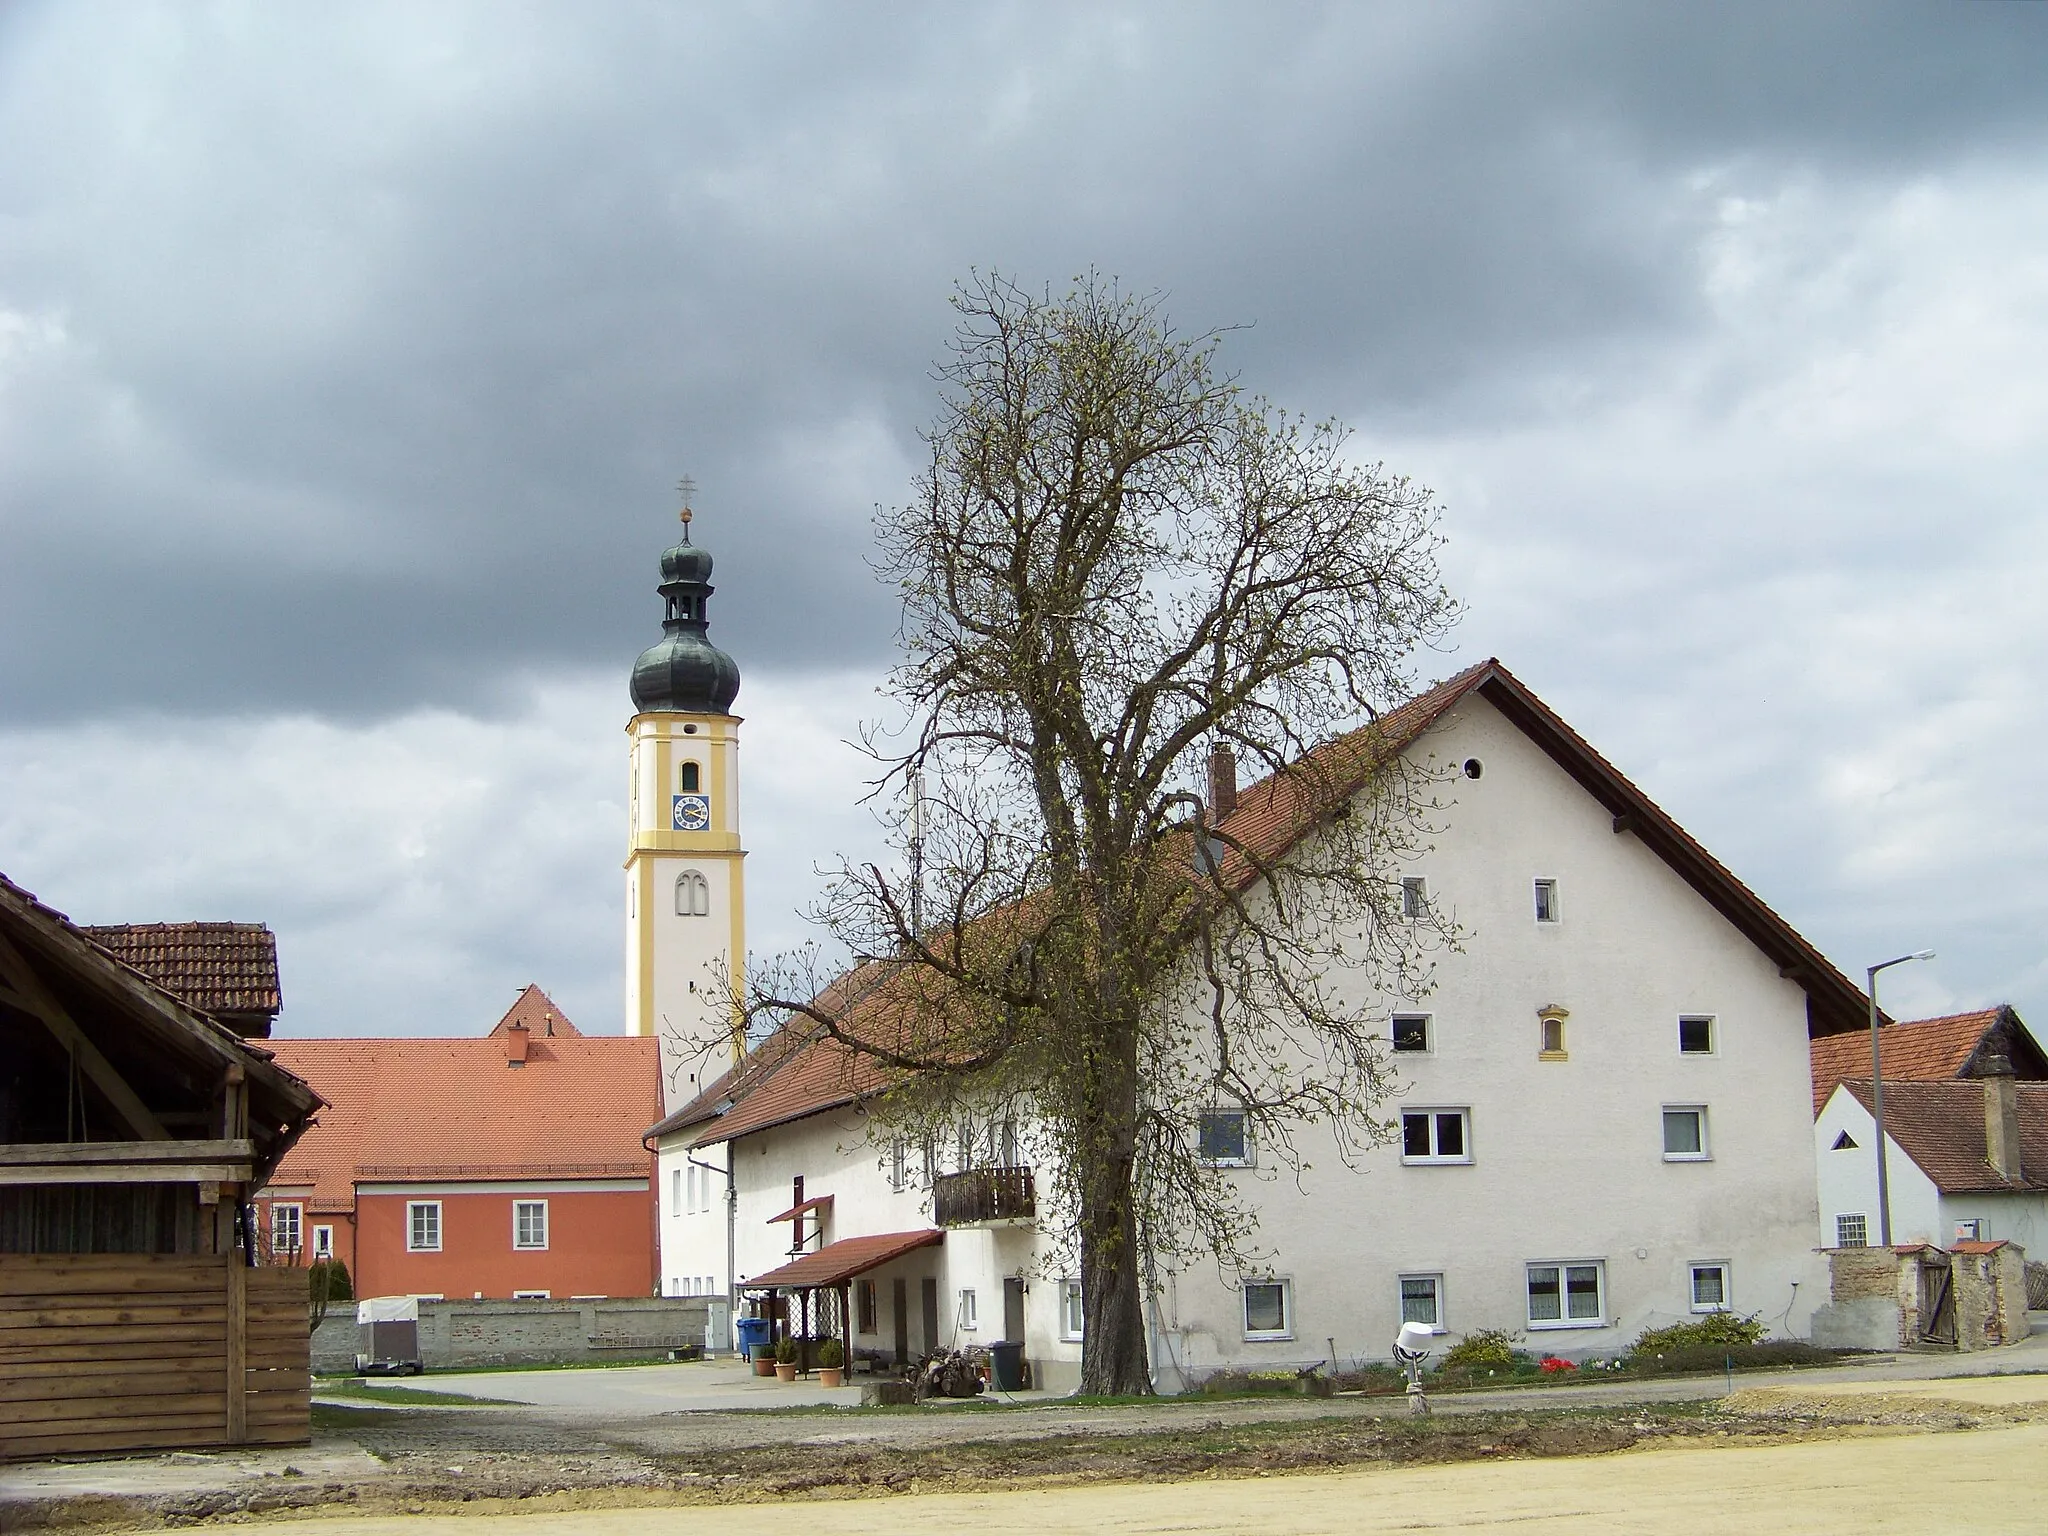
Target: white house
[[1604, 1106]]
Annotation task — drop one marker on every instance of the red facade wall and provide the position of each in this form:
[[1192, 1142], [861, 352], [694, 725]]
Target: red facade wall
[[599, 1244]]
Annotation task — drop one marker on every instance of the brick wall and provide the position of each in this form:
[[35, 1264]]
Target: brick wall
[[459, 1334]]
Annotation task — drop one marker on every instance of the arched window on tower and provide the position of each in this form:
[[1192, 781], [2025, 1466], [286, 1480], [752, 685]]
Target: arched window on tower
[[689, 779], [693, 895]]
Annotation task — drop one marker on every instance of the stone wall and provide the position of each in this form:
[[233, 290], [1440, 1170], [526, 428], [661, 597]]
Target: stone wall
[[459, 1334]]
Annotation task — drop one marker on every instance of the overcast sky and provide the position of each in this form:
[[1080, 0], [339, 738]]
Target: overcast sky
[[349, 356]]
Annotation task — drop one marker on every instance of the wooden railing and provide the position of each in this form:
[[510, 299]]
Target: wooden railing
[[982, 1194]]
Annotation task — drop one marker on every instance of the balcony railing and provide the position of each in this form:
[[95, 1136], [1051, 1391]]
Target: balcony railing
[[982, 1194]]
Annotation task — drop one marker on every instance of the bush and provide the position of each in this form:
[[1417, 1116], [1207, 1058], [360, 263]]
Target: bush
[[330, 1279], [1714, 1357], [785, 1351], [1489, 1349], [831, 1355], [1722, 1331]]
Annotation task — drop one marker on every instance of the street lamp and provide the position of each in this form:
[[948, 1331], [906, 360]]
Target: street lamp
[[1884, 1188]]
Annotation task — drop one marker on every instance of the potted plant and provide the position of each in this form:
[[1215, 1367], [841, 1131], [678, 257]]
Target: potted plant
[[785, 1359], [764, 1359], [831, 1363]]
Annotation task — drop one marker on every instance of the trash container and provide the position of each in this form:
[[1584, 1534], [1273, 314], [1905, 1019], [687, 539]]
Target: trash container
[[753, 1336], [1006, 1365]]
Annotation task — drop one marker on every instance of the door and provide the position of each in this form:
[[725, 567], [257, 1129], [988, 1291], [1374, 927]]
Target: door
[[1013, 1310], [899, 1303], [928, 1293]]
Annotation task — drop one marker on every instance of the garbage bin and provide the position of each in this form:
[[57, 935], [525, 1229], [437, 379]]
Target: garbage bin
[[1006, 1365], [753, 1336]]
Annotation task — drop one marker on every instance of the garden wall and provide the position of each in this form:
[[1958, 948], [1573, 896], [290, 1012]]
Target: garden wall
[[455, 1335]]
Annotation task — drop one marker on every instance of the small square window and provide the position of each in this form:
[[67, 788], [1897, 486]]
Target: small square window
[[1685, 1133], [1710, 1288], [1414, 897], [532, 1296], [1696, 1035], [1567, 1295], [529, 1223], [1546, 901], [323, 1243], [423, 1226], [1435, 1136], [1422, 1300], [1852, 1231], [1073, 1315], [1268, 1309], [1410, 1032], [968, 1315], [1970, 1230], [1224, 1141]]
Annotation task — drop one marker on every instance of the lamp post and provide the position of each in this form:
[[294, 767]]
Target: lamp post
[[1884, 1188]]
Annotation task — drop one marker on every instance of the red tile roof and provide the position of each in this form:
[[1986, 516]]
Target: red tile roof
[[453, 1109], [223, 968], [541, 1015], [1941, 1127], [837, 1263], [1922, 1050]]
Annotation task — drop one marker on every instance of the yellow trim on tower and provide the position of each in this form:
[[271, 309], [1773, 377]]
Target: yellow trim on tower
[[644, 935]]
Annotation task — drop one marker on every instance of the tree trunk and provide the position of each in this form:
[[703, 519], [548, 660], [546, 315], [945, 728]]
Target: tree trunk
[[1113, 1349]]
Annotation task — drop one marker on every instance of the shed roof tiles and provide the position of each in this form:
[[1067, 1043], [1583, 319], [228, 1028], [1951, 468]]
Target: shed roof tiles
[[1941, 1127], [223, 968], [1924, 1050]]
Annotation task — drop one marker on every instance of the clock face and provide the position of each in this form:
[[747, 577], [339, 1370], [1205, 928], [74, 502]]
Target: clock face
[[691, 813]]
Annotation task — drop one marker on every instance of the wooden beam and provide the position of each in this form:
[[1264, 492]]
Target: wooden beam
[[126, 1173], [42, 1002], [238, 1349], [92, 1152]]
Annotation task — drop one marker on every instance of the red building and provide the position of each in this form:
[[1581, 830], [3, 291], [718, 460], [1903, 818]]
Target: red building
[[506, 1165]]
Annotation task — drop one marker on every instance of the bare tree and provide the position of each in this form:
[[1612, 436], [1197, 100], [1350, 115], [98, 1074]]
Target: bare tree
[[1116, 563]]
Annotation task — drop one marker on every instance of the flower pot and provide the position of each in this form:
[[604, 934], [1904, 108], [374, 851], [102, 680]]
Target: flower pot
[[785, 1372], [764, 1366], [831, 1375]]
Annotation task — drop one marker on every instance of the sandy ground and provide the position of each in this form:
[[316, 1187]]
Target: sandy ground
[[1985, 1481]]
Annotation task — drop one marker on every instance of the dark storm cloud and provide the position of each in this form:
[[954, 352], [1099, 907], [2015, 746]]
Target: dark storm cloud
[[349, 355]]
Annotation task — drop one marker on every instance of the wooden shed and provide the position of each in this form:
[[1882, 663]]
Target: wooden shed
[[133, 1131]]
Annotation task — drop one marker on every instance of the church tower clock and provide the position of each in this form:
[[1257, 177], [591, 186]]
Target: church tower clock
[[685, 898]]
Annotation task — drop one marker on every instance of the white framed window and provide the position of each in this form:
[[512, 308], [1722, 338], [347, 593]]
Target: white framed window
[[693, 895], [529, 1223], [1710, 1288], [968, 1312], [1970, 1230], [1414, 897], [1695, 1034], [675, 1191], [1269, 1309], [1546, 901], [899, 1163], [1422, 1300], [1073, 1315], [1225, 1139], [1411, 1032], [1685, 1133], [423, 1226], [323, 1244], [1567, 1294], [286, 1229], [1436, 1136], [1852, 1230], [533, 1296]]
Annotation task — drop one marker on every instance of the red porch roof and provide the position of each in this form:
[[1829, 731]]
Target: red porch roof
[[837, 1263]]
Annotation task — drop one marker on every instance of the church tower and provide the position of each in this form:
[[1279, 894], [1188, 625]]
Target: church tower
[[685, 897]]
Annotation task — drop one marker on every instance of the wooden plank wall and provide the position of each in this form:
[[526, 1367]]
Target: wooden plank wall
[[115, 1352]]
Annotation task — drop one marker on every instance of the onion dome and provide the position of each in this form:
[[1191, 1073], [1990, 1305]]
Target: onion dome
[[683, 670]]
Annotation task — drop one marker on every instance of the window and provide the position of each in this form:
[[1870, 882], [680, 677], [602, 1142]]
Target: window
[[1268, 1309], [693, 895], [1970, 1230], [1546, 901], [532, 1295], [1685, 1133], [423, 1226], [1844, 1143], [1567, 1295], [1710, 1288], [1414, 897], [967, 1310], [675, 1192], [690, 779], [1550, 1034], [529, 1223], [1224, 1143], [1435, 1136], [1073, 1315], [323, 1243], [1852, 1231], [285, 1229], [864, 1293], [1422, 1300], [1410, 1032], [899, 1163], [1696, 1035]]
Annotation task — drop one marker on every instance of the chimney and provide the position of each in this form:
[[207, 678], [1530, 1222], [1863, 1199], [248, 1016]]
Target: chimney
[[1222, 782], [515, 1045], [2001, 1113]]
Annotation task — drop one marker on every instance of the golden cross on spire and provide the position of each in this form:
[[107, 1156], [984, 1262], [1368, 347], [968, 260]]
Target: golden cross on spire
[[686, 488]]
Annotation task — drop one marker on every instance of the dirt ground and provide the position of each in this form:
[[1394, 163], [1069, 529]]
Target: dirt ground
[[1919, 1482]]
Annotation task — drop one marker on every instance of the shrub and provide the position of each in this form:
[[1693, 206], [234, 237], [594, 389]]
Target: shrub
[[330, 1277], [785, 1351], [831, 1354], [1489, 1349], [1716, 1331]]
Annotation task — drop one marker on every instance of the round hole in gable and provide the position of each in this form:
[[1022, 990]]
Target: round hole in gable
[[1474, 767]]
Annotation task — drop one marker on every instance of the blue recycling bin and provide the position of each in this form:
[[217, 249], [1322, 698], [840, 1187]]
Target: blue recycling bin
[[753, 1336]]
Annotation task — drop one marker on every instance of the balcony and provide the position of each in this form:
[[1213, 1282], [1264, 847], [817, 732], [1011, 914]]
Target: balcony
[[983, 1195]]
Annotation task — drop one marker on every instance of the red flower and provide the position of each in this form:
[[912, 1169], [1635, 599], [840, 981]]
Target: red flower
[[1553, 1364]]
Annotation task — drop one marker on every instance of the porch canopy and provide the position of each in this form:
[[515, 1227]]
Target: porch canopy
[[836, 1263]]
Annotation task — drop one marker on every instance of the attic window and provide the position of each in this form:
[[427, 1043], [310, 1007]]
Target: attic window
[[1844, 1143]]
